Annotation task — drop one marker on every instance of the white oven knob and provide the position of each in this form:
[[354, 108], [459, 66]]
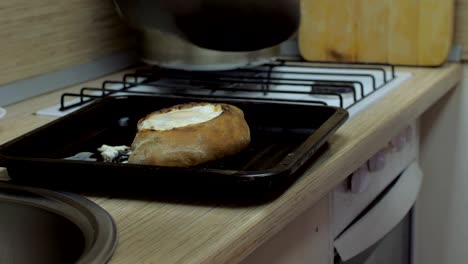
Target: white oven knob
[[409, 134], [360, 180], [377, 162], [399, 141]]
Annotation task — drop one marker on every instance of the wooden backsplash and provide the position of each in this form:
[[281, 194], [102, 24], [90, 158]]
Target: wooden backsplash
[[41, 36], [46, 35]]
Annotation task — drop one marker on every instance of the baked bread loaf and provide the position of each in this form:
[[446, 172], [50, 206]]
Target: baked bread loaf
[[189, 134]]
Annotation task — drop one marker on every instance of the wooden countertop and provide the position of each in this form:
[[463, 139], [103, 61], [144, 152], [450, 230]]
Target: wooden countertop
[[156, 232]]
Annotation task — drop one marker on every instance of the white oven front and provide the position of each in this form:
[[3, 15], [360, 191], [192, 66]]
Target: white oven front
[[376, 199], [382, 235]]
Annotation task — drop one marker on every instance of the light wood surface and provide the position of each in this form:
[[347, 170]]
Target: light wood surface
[[156, 232], [461, 26], [47, 35], [415, 32]]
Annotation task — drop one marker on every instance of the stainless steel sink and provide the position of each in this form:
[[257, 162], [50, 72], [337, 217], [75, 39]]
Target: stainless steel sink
[[42, 226]]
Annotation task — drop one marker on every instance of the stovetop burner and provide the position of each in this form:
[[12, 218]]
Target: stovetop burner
[[282, 81]]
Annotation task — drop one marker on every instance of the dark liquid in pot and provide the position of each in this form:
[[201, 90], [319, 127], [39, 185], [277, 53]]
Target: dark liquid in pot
[[238, 29]]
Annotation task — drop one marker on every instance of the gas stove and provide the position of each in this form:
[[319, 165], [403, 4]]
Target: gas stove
[[350, 86], [292, 108]]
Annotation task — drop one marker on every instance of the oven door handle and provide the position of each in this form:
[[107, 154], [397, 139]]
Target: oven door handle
[[383, 217]]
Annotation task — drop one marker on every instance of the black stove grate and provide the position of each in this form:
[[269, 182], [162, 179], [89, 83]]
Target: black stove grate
[[238, 84]]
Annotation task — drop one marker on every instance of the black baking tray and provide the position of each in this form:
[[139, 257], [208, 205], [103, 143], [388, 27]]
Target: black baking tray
[[284, 138]]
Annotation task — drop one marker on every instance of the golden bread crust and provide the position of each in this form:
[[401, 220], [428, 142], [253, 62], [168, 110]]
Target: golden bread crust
[[194, 144]]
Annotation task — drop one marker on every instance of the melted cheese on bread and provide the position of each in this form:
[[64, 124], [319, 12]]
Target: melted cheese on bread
[[180, 117]]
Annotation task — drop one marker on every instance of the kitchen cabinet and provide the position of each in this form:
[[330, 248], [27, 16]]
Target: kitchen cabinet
[[307, 239]]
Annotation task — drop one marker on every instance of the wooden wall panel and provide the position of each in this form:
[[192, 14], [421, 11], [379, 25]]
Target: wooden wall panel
[[41, 36]]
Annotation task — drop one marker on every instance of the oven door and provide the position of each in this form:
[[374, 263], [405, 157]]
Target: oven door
[[383, 233]]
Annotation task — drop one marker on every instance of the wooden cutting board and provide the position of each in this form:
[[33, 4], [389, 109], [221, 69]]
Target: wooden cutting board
[[402, 32]]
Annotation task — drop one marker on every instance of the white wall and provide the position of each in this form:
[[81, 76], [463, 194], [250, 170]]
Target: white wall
[[442, 208]]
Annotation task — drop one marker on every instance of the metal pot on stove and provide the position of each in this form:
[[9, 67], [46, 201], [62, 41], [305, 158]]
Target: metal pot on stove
[[209, 34]]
